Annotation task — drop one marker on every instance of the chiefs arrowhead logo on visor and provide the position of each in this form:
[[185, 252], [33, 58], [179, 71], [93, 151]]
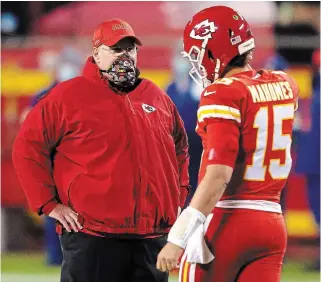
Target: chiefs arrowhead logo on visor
[[148, 109], [203, 30]]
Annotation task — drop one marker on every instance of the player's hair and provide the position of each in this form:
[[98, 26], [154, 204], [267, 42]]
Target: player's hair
[[238, 61]]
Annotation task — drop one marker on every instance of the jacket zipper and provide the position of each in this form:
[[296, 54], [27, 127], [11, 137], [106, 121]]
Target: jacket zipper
[[138, 195], [134, 113], [130, 105], [140, 175]]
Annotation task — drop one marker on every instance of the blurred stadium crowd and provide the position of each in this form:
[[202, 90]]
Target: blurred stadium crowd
[[44, 43]]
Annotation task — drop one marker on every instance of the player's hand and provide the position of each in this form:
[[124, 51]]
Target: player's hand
[[67, 217], [168, 258]]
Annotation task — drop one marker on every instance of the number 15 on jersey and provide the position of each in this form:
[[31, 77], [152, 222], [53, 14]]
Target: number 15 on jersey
[[280, 142]]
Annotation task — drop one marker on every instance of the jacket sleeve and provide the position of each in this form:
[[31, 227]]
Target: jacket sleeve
[[182, 155], [32, 151]]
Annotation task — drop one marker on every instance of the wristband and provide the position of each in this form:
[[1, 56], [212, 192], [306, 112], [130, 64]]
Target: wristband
[[189, 220]]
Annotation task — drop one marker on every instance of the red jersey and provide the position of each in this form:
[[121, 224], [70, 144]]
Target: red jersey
[[245, 121]]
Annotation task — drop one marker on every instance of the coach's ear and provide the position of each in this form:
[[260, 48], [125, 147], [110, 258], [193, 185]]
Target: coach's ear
[[96, 56]]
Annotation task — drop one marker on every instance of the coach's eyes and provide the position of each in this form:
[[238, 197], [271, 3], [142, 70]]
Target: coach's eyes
[[131, 49], [117, 50]]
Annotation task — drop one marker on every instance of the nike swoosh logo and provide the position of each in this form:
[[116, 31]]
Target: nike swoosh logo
[[209, 93]]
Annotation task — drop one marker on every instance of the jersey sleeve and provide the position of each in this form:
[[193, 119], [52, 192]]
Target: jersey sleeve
[[222, 143], [220, 117], [220, 102]]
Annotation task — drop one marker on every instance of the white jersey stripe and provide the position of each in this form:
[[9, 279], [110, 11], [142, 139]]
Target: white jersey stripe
[[181, 267], [192, 271], [218, 115], [219, 107]]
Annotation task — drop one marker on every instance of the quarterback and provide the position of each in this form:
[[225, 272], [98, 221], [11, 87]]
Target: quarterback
[[233, 229]]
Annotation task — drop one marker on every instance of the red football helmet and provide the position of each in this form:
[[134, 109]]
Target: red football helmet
[[212, 39]]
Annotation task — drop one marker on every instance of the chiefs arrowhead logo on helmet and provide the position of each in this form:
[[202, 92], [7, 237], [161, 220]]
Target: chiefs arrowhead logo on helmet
[[203, 30]]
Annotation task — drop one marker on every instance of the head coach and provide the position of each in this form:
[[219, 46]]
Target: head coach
[[106, 155]]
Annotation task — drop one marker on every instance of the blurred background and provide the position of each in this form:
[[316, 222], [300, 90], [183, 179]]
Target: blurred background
[[44, 43]]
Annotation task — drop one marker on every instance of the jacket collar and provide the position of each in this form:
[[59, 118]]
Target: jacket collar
[[91, 70]]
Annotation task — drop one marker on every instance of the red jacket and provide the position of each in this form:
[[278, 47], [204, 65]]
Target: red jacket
[[120, 161]]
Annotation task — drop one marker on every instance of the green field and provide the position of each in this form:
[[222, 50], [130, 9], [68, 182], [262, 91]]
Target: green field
[[30, 268]]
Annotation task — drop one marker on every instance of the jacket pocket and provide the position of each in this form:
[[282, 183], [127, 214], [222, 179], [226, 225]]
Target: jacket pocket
[[70, 188]]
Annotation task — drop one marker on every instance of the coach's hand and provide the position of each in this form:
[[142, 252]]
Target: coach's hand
[[168, 258], [67, 217]]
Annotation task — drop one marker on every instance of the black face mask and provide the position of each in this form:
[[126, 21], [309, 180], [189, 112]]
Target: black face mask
[[123, 73]]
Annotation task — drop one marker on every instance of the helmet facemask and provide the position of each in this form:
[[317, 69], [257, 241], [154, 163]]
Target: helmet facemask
[[198, 72]]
